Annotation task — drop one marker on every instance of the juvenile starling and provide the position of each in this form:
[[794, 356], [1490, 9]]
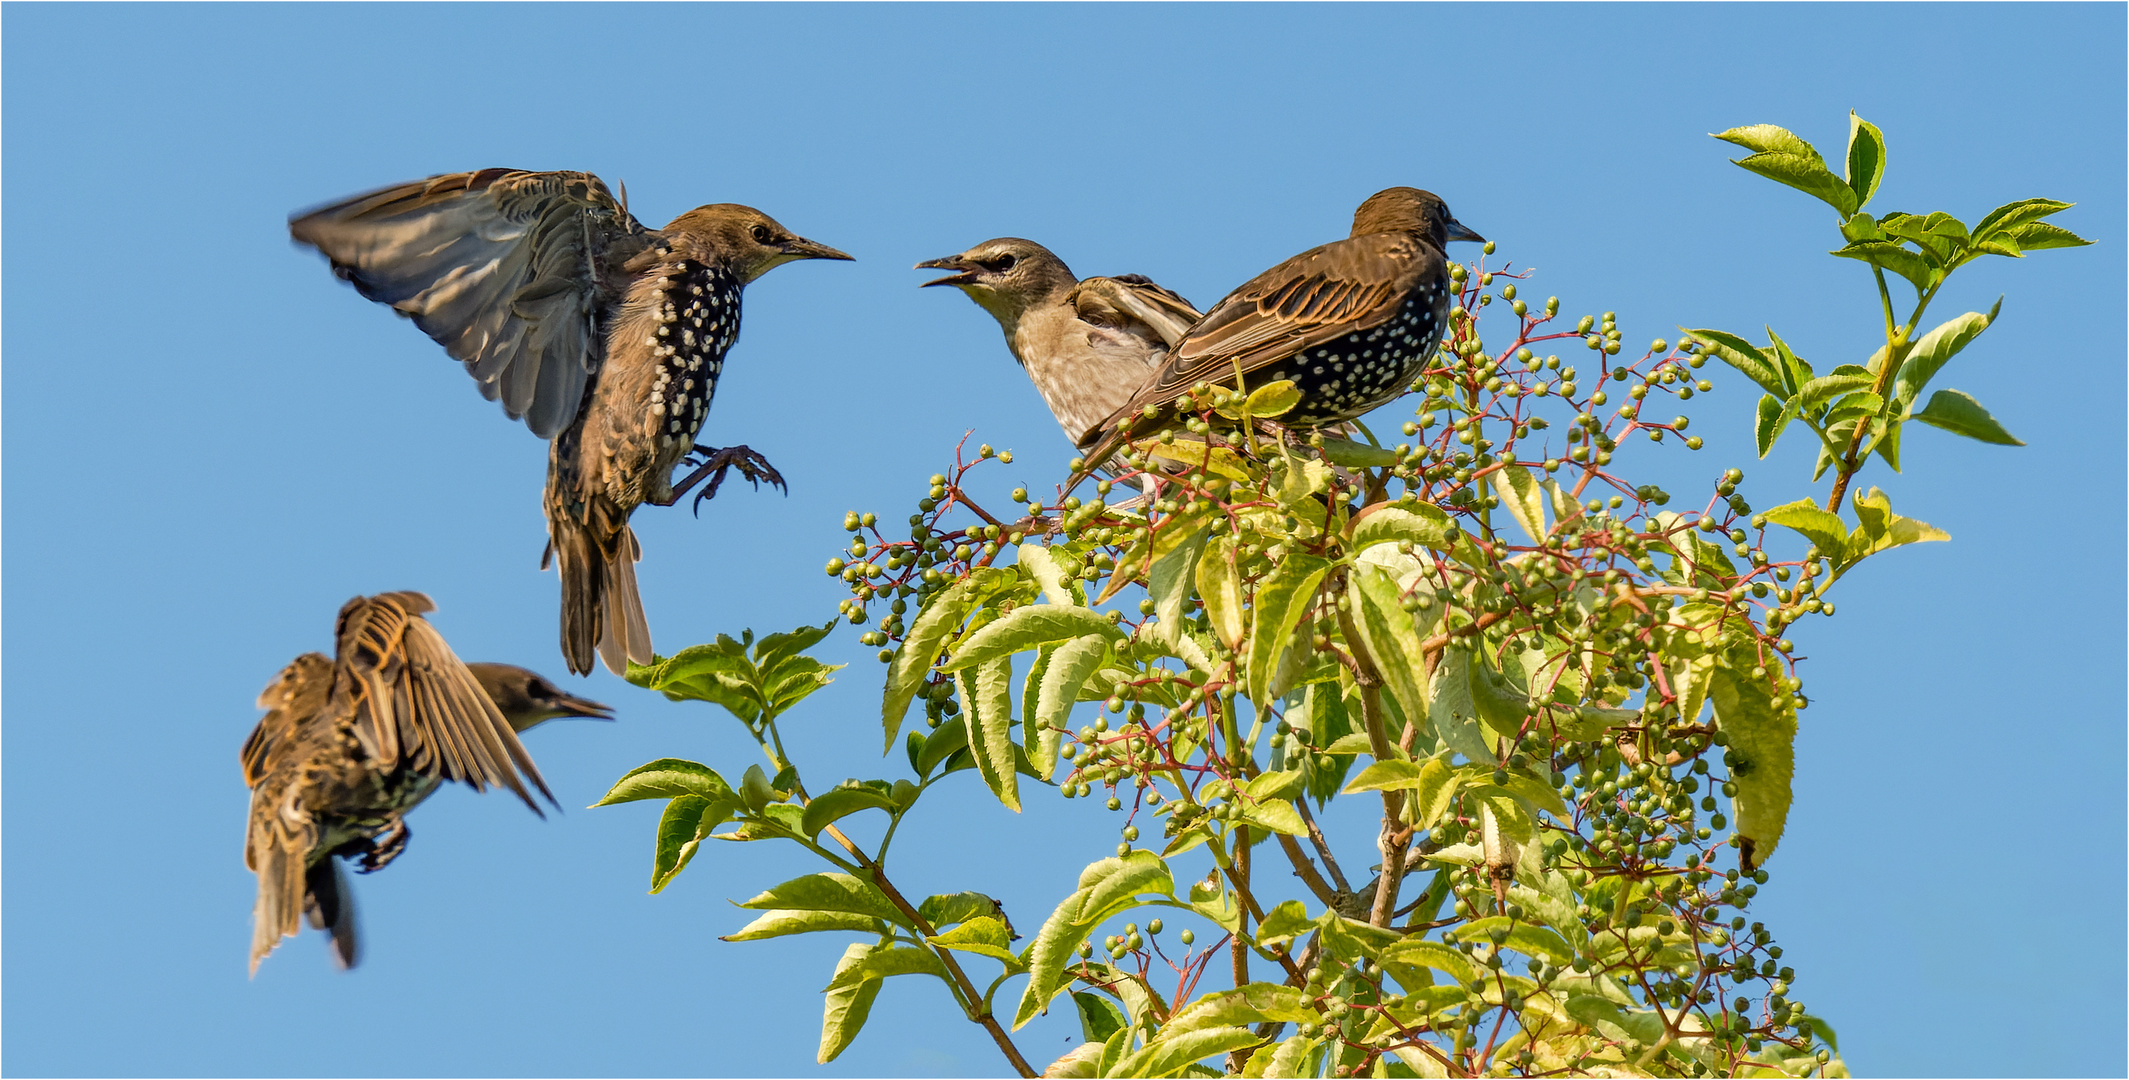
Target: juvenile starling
[[1350, 323], [605, 336], [350, 744], [1087, 345]]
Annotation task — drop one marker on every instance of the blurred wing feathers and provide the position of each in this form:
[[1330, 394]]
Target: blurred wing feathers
[[1134, 304], [507, 270]]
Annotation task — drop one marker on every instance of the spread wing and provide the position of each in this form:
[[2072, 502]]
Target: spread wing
[[1315, 297], [413, 701], [1135, 305], [296, 694], [508, 270]]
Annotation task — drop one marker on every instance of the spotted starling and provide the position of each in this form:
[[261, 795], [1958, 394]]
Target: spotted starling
[[604, 336], [1086, 344], [350, 744], [1351, 323]]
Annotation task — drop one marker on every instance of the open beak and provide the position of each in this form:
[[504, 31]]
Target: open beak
[[1457, 231], [966, 275], [570, 705], [798, 247]]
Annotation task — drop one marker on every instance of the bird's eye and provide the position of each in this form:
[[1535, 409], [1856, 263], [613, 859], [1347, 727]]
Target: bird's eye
[[761, 234], [998, 265]]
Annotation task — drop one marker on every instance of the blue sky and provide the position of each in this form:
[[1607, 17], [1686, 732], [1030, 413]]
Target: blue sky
[[210, 445]]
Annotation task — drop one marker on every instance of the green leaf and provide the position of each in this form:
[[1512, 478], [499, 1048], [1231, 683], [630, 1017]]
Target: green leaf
[[1297, 1056], [984, 936], [1169, 585], [1762, 753], [1391, 775], [1521, 497], [1288, 920], [2040, 236], [1958, 413], [1806, 173], [781, 923], [1273, 399], [1420, 523], [1067, 673], [946, 909], [830, 892], [885, 963], [1451, 710], [1220, 585], [1774, 415], [1523, 937], [1166, 1056], [838, 803], [1502, 705], [1768, 139], [846, 1009], [1866, 158], [1389, 635], [1041, 740], [1917, 269], [1821, 527], [1042, 566], [1283, 597], [1889, 530], [1634, 1028], [920, 646], [771, 651], [1027, 627], [1256, 1003], [1742, 355], [1355, 455], [668, 778], [686, 822], [1099, 1017], [1431, 954], [1932, 351], [1825, 388], [1795, 371], [943, 743], [2011, 215], [987, 710], [1108, 887]]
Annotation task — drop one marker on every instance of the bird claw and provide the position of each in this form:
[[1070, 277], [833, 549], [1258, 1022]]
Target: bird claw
[[381, 849], [716, 462]]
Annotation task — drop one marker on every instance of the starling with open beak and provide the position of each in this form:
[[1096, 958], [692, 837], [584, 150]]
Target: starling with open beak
[[607, 338], [1087, 345], [1350, 323], [350, 744]]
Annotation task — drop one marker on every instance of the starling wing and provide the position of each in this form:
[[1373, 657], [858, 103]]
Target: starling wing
[[1316, 297], [1134, 304], [414, 702], [510, 271]]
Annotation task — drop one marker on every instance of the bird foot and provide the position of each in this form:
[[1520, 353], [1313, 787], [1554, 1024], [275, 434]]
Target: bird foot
[[381, 849], [714, 463]]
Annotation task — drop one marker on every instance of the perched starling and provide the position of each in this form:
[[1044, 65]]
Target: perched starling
[[350, 744], [1086, 344], [1350, 323], [605, 336]]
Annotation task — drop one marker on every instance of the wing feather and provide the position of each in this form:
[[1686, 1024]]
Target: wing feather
[[1135, 304], [506, 269]]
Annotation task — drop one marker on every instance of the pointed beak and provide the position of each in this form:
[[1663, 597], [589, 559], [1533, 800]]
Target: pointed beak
[[801, 248], [966, 272], [569, 705], [1457, 231]]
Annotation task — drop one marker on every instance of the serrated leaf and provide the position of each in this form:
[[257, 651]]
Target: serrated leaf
[[920, 646], [1108, 887], [1523, 937], [984, 936], [1042, 566], [1450, 708], [1768, 138], [1774, 415], [1502, 705], [1256, 1003], [2040, 236], [1633, 1028], [1283, 597], [1825, 388], [772, 650], [1520, 496], [1821, 527], [1866, 157], [687, 821], [781, 923], [1763, 746], [1099, 1017], [1420, 523], [886, 963], [668, 778], [844, 1014], [1431, 954], [1354, 455], [836, 804], [1288, 920], [1196, 454], [1806, 173], [794, 680], [1957, 412], [987, 711], [1273, 399], [1916, 268], [1220, 586], [1065, 676], [1894, 531], [1795, 371], [1029, 626], [1931, 352], [1170, 1056], [1169, 585], [829, 892], [1390, 636], [1744, 356]]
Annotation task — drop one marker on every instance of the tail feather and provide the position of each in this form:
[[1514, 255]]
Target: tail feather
[[578, 561], [279, 909], [330, 906], [625, 634]]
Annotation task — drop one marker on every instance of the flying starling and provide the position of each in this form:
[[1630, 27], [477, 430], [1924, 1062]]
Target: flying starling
[[604, 336], [350, 744], [1351, 323], [1087, 345]]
